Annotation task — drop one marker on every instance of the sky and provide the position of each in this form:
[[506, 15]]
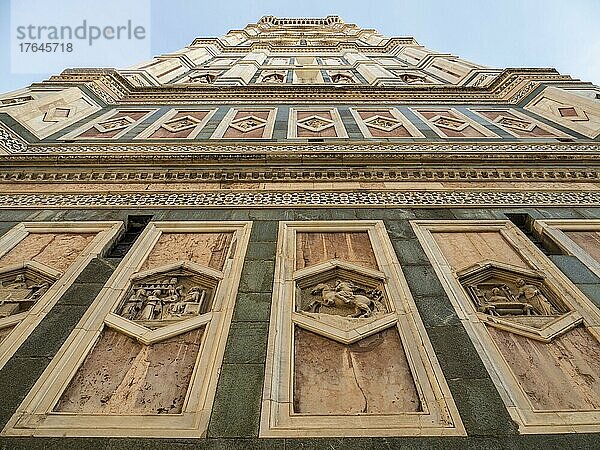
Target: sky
[[498, 34]]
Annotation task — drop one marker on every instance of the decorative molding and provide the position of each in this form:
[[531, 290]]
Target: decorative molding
[[349, 199], [511, 86], [42, 412], [575, 313], [557, 229], [16, 145], [202, 173], [24, 323], [370, 302]]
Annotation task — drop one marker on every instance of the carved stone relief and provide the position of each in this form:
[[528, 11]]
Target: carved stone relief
[[167, 297], [536, 331], [270, 76], [21, 288], [38, 263], [147, 361], [340, 315]]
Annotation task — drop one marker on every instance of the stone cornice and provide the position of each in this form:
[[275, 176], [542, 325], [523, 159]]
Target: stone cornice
[[370, 150], [335, 47], [509, 87], [104, 174]]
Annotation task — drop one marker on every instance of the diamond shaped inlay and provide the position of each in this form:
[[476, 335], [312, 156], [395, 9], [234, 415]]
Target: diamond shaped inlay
[[572, 113], [517, 124], [383, 123], [56, 114], [180, 124], [114, 124], [315, 123], [450, 123], [248, 123]]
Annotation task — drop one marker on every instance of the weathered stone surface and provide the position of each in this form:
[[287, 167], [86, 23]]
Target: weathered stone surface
[[236, 410], [436, 310], [574, 269], [5, 332], [206, 249], [456, 353], [423, 281], [49, 335], [247, 343], [462, 250], [314, 248], [561, 375], [123, 376], [481, 409], [252, 307], [371, 376], [257, 276], [56, 250]]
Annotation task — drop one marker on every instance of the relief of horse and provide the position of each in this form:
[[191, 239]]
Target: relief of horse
[[362, 305]]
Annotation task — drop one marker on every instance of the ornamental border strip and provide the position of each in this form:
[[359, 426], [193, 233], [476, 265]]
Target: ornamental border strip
[[303, 199], [260, 174]]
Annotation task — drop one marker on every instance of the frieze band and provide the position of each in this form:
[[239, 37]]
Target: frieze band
[[299, 199]]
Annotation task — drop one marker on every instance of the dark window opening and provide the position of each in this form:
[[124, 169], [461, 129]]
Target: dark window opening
[[524, 222], [135, 226]]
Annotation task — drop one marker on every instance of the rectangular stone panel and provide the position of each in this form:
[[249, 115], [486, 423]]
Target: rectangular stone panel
[[122, 376], [38, 263], [206, 249], [315, 248], [588, 241], [145, 358], [536, 332], [371, 376], [561, 375], [56, 250], [345, 355]]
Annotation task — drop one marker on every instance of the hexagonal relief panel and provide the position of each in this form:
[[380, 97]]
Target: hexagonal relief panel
[[169, 294], [22, 285], [517, 300], [344, 301]]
